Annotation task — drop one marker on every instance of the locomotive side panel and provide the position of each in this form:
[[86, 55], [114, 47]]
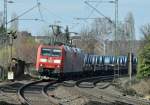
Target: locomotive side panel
[[67, 60], [73, 60], [77, 60]]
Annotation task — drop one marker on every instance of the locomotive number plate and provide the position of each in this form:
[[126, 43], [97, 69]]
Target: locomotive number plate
[[50, 61]]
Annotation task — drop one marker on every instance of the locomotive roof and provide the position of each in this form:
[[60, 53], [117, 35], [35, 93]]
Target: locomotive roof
[[62, 46], [67, 48]]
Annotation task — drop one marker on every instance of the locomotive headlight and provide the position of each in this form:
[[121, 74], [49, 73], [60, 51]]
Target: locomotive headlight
[[43, 60], [57, 61]]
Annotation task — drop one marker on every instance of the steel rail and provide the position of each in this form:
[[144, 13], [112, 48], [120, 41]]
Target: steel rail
[[67, 84], [44, 92], [99, 78], [22, 99]]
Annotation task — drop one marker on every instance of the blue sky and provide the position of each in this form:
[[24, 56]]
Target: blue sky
[[66, 10]]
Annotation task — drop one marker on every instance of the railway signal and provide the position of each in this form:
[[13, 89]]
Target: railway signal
[[12, 35]]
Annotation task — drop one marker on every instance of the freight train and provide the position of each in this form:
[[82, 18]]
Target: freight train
[[64, 61]]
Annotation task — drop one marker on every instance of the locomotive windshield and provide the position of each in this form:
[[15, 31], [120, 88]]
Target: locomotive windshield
[[54, 52]]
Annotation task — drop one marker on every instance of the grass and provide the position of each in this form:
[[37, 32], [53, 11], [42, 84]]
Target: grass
[[143, 87]]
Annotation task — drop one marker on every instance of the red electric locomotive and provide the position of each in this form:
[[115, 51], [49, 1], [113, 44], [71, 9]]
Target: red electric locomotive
[[59, 60]]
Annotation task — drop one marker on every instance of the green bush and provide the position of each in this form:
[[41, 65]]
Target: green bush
[[144, 62]]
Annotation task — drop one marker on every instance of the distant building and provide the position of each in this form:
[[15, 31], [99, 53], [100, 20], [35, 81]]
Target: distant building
[[75, 40]]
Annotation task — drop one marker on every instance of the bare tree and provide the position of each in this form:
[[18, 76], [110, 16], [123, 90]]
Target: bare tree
[[1, 18], [129, 27], [87, 41], [146, 31], [93, 38], [102, 31], [101, 27], [130, 31], [126, 35], [25, 47]]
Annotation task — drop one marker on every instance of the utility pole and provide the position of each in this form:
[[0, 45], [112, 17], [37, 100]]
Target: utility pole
[[116, 25], [5, 15], [56, 31], [130, 65], [67, 35], [116, 66], [5, 61]]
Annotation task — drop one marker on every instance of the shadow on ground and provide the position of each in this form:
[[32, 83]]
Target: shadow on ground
[[5, 103], [11, 88], [100, 103]]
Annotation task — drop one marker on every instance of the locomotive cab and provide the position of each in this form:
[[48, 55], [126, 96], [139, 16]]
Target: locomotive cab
[[49, 60], [59, 61]]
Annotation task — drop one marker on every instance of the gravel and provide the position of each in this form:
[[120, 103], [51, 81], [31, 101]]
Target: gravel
[[82, 96], [8, 92], [70, 96], [66, 95]]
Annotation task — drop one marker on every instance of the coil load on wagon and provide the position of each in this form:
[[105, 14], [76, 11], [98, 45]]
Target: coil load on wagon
[[107, 60], [87, 59], [100, 60], [96, 59], [121, 60], [93, 59]]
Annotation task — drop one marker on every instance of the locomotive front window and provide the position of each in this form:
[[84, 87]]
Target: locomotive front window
[[51, 52], [56, 52], [46, 52]]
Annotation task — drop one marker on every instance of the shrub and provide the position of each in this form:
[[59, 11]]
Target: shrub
[[144, 62]]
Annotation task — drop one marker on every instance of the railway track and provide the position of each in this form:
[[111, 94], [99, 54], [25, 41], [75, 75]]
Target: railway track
[[126, 99], [35, 93], [118, 98], [50, 97], [93, 81]]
